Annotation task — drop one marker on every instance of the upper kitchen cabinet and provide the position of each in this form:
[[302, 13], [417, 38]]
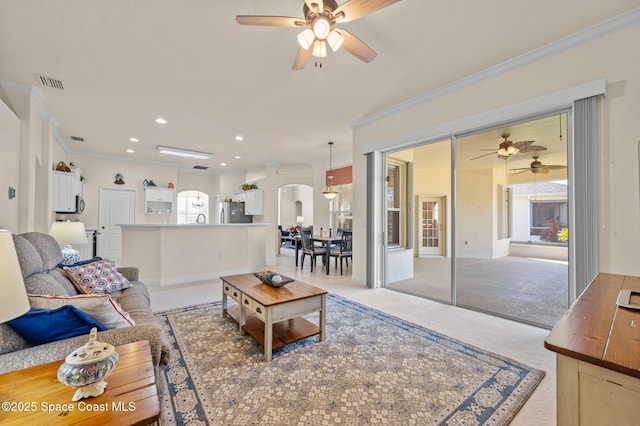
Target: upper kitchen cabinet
[[66, 188], [253, 201], [158, 200]]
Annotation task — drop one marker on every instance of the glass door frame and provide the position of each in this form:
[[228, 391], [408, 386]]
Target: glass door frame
[[453, 227]]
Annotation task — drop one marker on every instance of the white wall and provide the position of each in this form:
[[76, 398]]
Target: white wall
[[611, 57], [9, 172]]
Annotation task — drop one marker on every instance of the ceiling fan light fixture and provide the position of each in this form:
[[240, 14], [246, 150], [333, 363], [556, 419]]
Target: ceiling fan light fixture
[[319, 49], [306, 38], [335, 40], [321, 27]]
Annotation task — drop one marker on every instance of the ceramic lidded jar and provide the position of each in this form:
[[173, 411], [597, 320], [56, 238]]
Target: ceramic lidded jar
[[88, 366]]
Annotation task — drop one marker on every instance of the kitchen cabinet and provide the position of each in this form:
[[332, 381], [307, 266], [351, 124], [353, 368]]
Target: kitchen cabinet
[[65, 188], [253, 201], [158, 200]]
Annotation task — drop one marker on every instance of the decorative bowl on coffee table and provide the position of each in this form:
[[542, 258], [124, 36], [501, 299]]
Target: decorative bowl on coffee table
[[86, 368]]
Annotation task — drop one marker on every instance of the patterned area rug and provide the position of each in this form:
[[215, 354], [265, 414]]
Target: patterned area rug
[[373, 368]]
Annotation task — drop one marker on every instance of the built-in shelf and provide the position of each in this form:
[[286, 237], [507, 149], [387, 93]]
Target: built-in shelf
[[158, 200]]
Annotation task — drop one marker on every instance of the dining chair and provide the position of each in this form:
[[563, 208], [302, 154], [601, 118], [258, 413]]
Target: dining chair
[[309, 249], [343, 249]]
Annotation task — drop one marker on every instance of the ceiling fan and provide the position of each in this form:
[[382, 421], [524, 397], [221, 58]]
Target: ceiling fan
[[507, 148], [537, 167], [321, 17]]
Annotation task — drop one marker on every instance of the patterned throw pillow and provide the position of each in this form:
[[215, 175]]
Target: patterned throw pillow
[[101, 277]]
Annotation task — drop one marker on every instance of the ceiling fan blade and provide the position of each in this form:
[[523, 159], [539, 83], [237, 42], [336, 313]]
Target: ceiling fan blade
[[480, 156], [553, 167], [354, 9], [532, 148], [311, 5], [518, 172], [302, 57], [356, 47], [270, 21], [522, 144]]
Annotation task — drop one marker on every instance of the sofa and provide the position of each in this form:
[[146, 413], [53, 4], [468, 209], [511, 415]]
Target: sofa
[[39, 256]]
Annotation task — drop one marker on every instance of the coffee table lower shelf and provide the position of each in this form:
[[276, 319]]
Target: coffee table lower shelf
[[284, 332]]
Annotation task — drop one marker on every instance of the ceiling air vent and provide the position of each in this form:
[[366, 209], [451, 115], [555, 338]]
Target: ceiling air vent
[[201, 167], [76, 138], [50, 82]]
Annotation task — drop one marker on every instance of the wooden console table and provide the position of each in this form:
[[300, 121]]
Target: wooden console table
[[597, 347], [35, 396], [272, 316]]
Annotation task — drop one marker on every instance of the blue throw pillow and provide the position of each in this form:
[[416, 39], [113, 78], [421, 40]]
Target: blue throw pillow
[[39, 326], [82, 262]]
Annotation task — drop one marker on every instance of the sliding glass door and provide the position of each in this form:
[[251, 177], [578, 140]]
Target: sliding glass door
[[508, 210], [512, 221], [419, 230]]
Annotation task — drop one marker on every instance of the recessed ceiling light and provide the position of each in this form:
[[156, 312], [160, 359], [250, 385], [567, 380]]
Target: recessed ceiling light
[[134, 139], [223, 164], [239, 138], [161, 120], [130, 151], [237, 157]]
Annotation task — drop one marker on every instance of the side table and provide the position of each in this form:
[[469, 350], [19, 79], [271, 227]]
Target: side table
[[35, 396]]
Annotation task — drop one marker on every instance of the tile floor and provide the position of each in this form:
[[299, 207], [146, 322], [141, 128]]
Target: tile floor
[[520, 342]]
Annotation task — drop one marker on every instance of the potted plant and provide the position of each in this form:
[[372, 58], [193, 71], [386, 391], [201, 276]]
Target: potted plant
[[248, 186], [294, 230]]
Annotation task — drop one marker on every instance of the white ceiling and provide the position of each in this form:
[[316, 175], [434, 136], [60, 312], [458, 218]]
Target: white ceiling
[[124, 63]]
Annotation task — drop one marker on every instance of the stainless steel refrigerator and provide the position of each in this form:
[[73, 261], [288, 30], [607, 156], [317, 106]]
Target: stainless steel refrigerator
[[225, 212]]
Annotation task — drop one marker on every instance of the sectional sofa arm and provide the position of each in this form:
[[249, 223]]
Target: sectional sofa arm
[[55, 351], [129, 272]]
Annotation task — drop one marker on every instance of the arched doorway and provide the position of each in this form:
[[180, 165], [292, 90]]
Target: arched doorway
[[295, 202]]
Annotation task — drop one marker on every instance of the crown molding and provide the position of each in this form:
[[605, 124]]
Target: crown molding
[[535, 107], [593, 32]]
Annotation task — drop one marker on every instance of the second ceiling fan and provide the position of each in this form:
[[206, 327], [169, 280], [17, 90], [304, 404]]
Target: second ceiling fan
[[537, 167], [321, 16]]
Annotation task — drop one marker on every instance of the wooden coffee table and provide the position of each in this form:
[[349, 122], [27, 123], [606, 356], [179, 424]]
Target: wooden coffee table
[[272, 316], [35, 396]]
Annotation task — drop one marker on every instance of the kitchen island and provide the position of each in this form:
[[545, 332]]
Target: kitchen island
[[169, 254]]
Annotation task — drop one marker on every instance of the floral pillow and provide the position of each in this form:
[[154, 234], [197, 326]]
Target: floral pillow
[[101, 277]]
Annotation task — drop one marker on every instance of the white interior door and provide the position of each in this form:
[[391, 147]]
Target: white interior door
[[431, 227], [117, 206]]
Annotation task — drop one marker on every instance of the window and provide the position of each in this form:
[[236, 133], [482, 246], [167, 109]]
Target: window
[[396, 203], [504, 211], [548, 218], [342, 215], [193, 207]]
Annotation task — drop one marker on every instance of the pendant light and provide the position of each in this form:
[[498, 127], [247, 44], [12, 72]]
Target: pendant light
[[330, 191], [198, 202]]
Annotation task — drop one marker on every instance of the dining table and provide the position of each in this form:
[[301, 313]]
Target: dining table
[[327, 240]]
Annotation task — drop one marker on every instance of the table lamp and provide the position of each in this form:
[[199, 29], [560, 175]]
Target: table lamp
[[14, 301], [66, 234]]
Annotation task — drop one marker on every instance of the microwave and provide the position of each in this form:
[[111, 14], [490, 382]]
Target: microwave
[[79, 204]]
